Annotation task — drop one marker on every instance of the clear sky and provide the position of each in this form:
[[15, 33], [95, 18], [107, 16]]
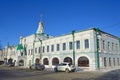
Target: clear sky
[[59, 17]]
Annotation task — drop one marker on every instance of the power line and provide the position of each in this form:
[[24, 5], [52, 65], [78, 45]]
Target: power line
[[111, 26]]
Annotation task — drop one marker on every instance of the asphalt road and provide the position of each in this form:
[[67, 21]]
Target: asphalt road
[[13, 73]]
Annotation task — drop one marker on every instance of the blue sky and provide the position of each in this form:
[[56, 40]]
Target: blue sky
[[59, 17]]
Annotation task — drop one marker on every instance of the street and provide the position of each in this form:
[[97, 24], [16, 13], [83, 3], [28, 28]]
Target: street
[[13, 73]]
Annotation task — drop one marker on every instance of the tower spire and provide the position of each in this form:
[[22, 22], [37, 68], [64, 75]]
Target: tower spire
[[40, 29], [41, 17]]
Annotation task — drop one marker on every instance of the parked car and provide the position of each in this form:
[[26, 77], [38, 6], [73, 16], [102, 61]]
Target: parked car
[[37, 66], [1, 62], [67, 67], [9, 64]]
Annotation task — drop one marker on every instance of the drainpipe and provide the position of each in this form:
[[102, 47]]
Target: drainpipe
[[33, 49], [97, 45], [40, 51], [73, 47]]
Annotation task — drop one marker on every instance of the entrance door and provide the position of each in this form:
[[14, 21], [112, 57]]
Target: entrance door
[[55, 61], [83, 62]]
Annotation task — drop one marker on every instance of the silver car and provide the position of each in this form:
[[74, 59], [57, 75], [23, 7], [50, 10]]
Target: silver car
[[67, 67], [37, 66]]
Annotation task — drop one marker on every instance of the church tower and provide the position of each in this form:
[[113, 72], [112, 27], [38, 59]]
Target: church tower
[[40, 29]]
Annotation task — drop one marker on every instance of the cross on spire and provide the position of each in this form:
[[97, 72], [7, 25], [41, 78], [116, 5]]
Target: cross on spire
[[41, 17]]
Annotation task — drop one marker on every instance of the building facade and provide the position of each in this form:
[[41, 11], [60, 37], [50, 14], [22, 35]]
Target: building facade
[[89, 49]]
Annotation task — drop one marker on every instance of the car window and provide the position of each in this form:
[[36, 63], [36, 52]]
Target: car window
[[37, 64], [64, 64], [60, 64], [33, 64]]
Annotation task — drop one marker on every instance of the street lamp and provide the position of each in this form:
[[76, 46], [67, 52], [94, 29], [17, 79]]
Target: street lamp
[[73, 45]]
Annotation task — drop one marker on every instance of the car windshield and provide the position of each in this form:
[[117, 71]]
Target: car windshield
[[37, 64]]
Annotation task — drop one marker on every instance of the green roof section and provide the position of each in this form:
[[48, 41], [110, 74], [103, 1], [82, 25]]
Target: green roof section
[[19, 47]]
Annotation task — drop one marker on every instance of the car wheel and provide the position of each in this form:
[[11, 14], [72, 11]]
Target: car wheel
[[30, 68], [73, 70], [67, 70], [55, 69], [42, 69]]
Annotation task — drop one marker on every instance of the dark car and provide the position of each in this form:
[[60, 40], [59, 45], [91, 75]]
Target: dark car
[[1, 62], [37, 66]]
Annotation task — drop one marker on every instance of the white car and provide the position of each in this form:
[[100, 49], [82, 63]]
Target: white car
[[67, 67]]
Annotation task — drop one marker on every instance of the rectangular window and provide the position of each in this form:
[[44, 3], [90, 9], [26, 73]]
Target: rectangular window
[[78, 44], [47, 48], [58, 47], [70, 45], [86, 43], [103, 45], [114, 61], [108, 46], [39, 50], [35, 50], [52, 48], [118, 61], [116, 48], [31, 51], [112, 46], [109, 61], [64, 46], [43, 49], [105, 62], [98, 44]]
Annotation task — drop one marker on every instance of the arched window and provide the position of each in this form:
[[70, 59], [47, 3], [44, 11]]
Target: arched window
[[55, 61], [10, 61], [21, 63], [68, 59], [45, 61], [83, 62]]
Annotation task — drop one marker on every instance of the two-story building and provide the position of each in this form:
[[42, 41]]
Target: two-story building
[[88, 49]]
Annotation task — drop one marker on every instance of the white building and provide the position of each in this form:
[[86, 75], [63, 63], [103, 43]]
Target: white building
[[88, 49], [9, 53], [1, 55]]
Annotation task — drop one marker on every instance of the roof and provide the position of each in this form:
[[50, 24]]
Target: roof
[[87, 30]]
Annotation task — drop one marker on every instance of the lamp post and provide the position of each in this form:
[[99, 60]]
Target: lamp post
[[73, 47], [97, 46]]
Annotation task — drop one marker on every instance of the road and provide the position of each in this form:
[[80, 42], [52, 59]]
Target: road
[[12, 73]]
